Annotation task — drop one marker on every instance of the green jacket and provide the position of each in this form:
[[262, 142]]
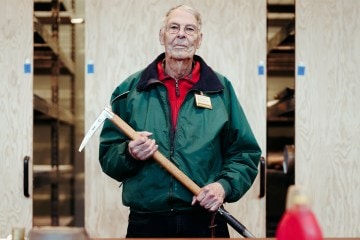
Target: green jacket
[[208, 145]]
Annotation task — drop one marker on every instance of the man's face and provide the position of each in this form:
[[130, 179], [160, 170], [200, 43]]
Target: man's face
[[181, 36]]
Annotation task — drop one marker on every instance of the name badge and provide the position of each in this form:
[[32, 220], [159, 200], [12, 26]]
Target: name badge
[[203, 101]]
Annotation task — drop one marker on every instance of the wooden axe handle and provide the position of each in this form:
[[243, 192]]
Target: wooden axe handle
[[158, 157]]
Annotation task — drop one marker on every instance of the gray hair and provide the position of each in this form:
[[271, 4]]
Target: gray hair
[[186, 8]]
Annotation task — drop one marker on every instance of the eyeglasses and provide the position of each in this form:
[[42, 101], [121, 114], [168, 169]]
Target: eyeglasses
[[188, 29]]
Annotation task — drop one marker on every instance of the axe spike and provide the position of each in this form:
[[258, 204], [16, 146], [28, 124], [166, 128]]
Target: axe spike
[[106, 113]]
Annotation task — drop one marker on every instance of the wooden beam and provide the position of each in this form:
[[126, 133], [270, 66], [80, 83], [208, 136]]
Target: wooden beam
[[280, 36]]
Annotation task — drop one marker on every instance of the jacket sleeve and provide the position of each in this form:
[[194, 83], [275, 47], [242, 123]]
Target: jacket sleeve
[[241, 152], [114, 157]]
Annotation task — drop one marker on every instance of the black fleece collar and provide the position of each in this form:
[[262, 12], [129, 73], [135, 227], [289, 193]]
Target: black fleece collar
[[208, 82]]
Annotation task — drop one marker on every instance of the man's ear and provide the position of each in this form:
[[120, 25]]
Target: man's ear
[[199, 41], [161, 36]]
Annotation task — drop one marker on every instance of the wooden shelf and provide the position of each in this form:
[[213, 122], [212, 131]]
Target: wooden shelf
[[46, 174], [54, 72], [284, 108], [50, 110], [46, 47], [39, 221], [42, 9]]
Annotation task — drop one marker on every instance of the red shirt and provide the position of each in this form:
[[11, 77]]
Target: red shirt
[[177, 91]]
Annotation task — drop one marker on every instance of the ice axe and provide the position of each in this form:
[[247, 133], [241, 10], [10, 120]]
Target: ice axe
[[107, 113]]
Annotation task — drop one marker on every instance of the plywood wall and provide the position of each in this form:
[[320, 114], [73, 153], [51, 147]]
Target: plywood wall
[[327, 111], [122, 37], [16, 118]]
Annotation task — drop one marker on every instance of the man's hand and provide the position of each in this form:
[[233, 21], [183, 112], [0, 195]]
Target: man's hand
[[143, 147], [211, 197]]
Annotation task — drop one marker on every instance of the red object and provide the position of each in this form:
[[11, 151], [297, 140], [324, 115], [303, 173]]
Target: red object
[[298, 223], [177, 93]]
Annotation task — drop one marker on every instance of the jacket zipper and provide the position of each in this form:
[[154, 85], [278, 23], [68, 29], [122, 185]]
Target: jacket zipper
[[172, 136], [177, 89]]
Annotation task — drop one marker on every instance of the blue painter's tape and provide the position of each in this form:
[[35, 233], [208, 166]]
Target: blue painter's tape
[[27, 68], [90, 68], [301, 70], [261, 70]]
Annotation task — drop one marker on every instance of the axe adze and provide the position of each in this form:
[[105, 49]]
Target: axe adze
[[107, 113]]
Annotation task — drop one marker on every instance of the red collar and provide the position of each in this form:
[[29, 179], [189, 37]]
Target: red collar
[[192, 78]]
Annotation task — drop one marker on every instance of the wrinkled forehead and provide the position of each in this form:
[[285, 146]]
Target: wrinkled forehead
[[181, 17]]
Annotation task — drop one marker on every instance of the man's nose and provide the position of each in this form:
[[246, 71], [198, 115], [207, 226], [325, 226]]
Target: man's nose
[[181, 31]]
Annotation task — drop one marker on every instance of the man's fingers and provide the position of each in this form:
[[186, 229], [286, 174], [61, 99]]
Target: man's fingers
[[208, 198], [197, 199], [194, 201], [150, 150], [142, 147], [145, 133], [145, 150]]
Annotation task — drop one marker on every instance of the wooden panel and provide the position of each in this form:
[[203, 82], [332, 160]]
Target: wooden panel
[[236, 47], [16, 36], [327, 111], [122, 37]]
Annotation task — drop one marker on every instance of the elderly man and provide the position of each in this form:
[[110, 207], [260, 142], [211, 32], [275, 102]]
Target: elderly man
[[191, 114]]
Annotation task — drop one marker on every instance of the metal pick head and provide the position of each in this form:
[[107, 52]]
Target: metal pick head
[[106, 113]]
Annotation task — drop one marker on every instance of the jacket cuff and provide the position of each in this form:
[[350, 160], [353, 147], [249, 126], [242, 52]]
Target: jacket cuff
[[226, 185]]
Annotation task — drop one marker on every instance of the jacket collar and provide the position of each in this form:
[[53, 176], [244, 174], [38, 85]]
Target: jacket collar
[[208, 82]]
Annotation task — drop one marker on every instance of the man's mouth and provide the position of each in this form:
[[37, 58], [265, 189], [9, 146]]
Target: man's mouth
[[178, 46]]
